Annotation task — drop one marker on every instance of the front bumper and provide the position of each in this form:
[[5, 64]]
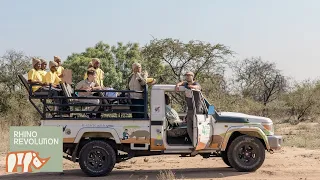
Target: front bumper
[[275, 142]]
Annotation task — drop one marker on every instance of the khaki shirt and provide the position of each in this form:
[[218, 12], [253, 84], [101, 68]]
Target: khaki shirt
[[86, 84], [136, 83], [172, 116]]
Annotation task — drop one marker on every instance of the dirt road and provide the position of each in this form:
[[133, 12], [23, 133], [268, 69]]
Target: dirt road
[[289, 164]]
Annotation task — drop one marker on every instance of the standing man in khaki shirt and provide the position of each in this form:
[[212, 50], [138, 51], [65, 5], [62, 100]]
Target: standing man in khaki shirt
[[137, 81]]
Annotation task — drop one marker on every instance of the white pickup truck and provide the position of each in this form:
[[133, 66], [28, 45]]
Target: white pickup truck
[[98, 144]]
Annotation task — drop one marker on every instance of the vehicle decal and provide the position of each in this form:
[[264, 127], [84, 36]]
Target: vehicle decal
[[158, 141], [156, 146]]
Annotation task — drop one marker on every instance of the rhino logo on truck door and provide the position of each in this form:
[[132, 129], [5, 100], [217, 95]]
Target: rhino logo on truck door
[[140, 133], [24, 159]]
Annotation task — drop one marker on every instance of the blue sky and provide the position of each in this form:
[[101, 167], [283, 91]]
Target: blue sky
[[285, 31]]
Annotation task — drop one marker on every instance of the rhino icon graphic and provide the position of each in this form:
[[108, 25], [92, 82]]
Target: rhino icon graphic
[[140, 133], [24, 159]]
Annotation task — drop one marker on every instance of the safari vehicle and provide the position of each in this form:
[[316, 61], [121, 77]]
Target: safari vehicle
[[99, 143]]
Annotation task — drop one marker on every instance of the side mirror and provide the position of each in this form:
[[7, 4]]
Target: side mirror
[[211, 110]]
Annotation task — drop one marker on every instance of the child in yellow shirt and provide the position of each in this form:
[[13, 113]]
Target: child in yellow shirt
[[43, 68], [60, 69], [51, 77], [34, 77]]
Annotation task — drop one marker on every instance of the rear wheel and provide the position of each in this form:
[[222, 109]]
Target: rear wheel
[[246, 153], [97, 158], [225, 158]]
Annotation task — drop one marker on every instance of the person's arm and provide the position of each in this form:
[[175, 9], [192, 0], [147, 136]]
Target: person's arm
[[57, 80], [179, 84], [96, 87], [46, 80], [195, 86], [141, 79], [32, 76], [60, 71], [100, 77]]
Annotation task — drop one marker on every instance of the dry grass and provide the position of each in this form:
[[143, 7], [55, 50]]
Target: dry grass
[[166, 175], [303, 135], [4, 134]]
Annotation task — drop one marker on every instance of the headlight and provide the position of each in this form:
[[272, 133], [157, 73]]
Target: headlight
[[268, 127]]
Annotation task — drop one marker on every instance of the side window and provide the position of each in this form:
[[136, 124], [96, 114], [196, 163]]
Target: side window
[[177, 101]]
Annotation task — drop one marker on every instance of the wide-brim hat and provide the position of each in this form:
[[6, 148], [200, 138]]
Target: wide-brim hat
[[94, 60], [53, 64], [35, 61], [55, 58]]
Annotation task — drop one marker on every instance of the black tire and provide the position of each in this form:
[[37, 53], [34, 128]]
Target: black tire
[[246, 153], [225, 158], [97, 158]]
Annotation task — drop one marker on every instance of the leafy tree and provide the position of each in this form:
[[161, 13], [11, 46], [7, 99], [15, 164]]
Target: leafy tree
[[116, 62], [124, 56], [170, 58], [259, 80], [303, 101], [13, 63], [179, 57]]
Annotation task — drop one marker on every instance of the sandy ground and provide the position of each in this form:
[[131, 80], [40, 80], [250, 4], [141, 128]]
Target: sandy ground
[[288, 163]]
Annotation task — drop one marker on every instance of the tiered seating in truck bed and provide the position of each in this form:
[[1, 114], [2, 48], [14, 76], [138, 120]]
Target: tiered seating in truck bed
[[110, 107]]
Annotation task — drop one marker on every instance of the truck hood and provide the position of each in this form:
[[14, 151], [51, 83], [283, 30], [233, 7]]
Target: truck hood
[[250, 118]]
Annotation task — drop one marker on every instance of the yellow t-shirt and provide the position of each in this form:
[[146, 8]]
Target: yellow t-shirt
[[59, 70], [51, 78], [100, 76], [42, 73], [34, 75]]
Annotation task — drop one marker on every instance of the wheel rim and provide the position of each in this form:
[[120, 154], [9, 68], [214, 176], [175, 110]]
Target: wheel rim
[[96, 159], [247, 155]]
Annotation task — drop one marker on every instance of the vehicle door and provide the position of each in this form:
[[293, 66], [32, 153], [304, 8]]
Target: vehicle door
[[202, 123]]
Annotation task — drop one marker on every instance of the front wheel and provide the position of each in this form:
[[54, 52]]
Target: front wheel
[[246, 153], [97, 158]]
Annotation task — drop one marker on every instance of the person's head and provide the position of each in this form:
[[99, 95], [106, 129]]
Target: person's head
[[36, 63], [91, 74], [53, 66], [90, 65], [136, 67], [57, 59], [189, 76], [95, 63], [43, 64], [167, 99]]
